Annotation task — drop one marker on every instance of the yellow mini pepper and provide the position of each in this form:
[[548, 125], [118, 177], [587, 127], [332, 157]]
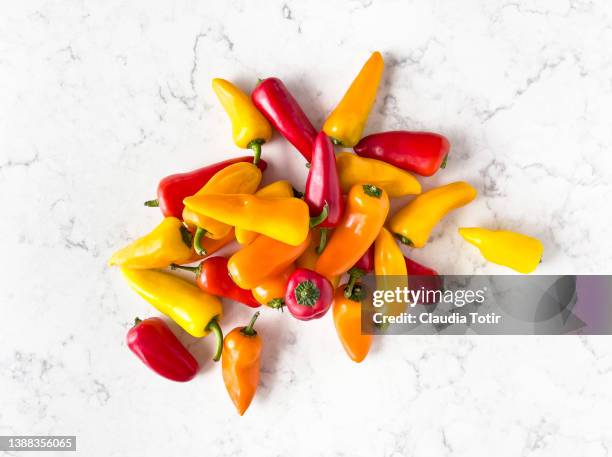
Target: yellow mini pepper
[[241, 178], [515, 250], [346, 123], [276, 189], [264, 258], [196, 311], [283, 219], [250, 128], [414, 222], [169, 242], [353, 169], [390, 268]]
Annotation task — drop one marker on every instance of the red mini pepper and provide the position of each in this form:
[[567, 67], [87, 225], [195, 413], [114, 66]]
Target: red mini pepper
[[422, 278], [173, 189], [155, 344], [309, 294], [212, 276], [275, 102], [322, 192], [419, 152], [361, 268]]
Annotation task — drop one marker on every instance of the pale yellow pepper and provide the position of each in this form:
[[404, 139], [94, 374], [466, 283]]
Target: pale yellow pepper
[[515, 250], [346, 123], [353, 169], [390, 269], [276, 189]]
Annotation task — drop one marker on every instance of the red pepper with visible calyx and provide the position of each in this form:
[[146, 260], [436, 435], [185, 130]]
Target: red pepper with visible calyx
[[422, 153], [155, 344], [173, 189], [212, 276], [422, 278], [309, 294], [276, 103], [361, 268], [322, 192]]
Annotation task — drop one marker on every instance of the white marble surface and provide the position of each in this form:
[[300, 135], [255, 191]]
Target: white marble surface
[[100, 99]]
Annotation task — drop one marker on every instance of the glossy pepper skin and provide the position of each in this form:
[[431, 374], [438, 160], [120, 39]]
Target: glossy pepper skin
[[390, 268], [197, 312], [514, 250], [366, 209], [237, 178], [172, 189], [274, 100], [264, 258], [157, 347], [240, 364], [271, 292], [422, 153], [347, 320], [362, 267], [423, 278], [169, 242], [322, 192], [250, 128], [414, 222], [213, 277], [353, 169], [309, 295], [346, 123], [276, 189], [284, 219]]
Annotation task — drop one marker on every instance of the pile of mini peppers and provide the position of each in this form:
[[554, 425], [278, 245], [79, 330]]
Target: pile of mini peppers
[[294, 247]]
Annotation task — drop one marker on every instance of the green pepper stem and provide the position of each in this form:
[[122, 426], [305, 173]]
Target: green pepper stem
[[152, 203], [354, 275], [307, 293], [249, 330], [316, 220], [276, 303], [336, 141], [443, 165], [372, 190], [197, 241], [297, 193], [356, 294], [195, 270], [137, 320], [403, 239], [213, 326], [323, 241], [255, 146]]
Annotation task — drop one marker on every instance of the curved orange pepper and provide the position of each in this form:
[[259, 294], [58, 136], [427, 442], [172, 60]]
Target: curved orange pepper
[[271, 292], [347, 319]]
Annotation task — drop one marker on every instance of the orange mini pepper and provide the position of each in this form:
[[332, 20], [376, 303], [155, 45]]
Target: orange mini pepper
[[262, 259], [347, 319], [240, 364], [271, 292], [366, 209], [389, 268]]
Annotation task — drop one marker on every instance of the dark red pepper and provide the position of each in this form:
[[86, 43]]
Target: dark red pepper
[[322, 192], [419, 152], [155, 344], [422, 278], [309, 294], [274, 100], [361, 268], [213, 277], [173, 189]]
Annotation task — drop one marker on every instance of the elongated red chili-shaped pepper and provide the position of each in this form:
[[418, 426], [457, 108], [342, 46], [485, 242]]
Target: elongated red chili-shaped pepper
[[173, 189], [322, 192], [361, 268], [155, 344], [274, 100], [212, 276], [419, 152], [423, 278]]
